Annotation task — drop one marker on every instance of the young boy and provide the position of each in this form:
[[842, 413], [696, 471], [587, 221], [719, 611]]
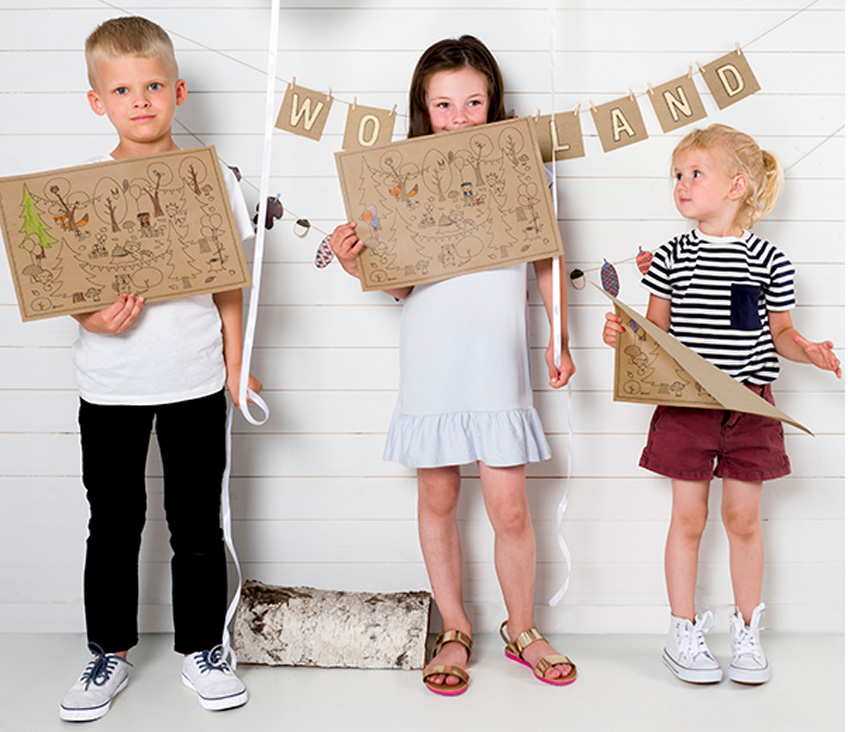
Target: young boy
[[136, 363]]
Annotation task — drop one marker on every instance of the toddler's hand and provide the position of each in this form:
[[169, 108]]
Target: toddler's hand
[[346, 245], [820, 354], [612, 328], [113, 320]]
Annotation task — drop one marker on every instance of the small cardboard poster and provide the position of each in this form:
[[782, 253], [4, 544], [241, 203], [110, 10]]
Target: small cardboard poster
[[438, 206], [730, 79], [367, 127], [304, 112], [619, 123], [677, 103], [561, 134], [157, 225], [653, 367]]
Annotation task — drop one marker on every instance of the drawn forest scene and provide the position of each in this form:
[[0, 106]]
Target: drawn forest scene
[[158, 226], [442, 205], [653, 367]]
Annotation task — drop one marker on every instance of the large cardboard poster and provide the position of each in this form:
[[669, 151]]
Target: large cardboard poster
[[442, 205], [157, 225], [653, 367]]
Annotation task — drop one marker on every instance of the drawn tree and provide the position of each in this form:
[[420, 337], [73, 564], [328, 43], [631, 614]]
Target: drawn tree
[[193, 174], [35, 231], [480, 148], [437, 174], [65, 204], [159, 175], [398, 176], [109, 202]]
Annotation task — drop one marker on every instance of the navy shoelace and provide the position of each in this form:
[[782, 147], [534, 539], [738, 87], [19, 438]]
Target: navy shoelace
[[100, 669], [211, 660]]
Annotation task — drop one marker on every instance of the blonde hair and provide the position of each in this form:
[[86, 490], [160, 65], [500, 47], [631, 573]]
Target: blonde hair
[[741, 156], [128, 36]]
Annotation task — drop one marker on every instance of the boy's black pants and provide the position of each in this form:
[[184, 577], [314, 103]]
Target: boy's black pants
[[192, 444]]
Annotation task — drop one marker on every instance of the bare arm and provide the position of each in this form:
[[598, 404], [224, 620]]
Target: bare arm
[[229, 306], [558, 377], [792, 345]]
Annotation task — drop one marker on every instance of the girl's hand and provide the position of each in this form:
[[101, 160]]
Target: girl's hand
[[233, 386], [113, 320], [820, 354], [346, 245], [612, 328], [559, 377]]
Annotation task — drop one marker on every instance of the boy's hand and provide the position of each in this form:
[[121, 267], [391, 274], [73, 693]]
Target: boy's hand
[[346, 245], [253, 384], [612, 328], [559, 377], [113, 320], [820, 354]]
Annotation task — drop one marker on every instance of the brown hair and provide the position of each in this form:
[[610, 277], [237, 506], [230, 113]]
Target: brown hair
[[452, 54], [128, 36], [741, 156]]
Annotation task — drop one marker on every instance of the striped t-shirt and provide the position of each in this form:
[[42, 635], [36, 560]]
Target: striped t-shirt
[[721, 289]]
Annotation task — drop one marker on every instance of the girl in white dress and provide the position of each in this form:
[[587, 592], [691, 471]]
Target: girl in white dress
[[465, 393]]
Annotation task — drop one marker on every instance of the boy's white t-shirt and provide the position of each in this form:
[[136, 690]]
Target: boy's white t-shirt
[[173, 351]]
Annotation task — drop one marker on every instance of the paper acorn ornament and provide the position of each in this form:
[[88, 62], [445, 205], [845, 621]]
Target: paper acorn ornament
[[324, 255], [578, 280], [301, 226], [643, 260], [609, 279]]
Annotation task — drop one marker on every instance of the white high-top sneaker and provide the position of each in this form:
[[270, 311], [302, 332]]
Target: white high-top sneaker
[[686, 652], [749, 664]]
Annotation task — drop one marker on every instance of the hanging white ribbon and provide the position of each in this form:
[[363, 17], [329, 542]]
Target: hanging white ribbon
[[247, 396], [556, 325]]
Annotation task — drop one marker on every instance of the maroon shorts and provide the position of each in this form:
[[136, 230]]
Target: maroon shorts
[[696, 444]]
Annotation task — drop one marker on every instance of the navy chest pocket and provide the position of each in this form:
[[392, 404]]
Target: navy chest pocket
[[744, 307]]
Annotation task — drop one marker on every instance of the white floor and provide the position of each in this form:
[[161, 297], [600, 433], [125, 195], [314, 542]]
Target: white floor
[[622, 685]]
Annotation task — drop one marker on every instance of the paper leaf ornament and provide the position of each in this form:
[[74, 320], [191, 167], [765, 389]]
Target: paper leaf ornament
[[609, 278], [324, 254], [155, 225], [643, 260], [730, 79], [653, 367]]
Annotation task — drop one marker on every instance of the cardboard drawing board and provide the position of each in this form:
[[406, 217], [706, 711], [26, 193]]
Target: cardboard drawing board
[[653, 367], [157, 225], [438, 206]]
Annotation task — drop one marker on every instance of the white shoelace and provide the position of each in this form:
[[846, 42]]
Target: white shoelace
[[691, 637]]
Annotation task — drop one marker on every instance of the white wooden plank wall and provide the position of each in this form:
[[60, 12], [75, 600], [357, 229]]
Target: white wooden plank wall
[[314, 503]]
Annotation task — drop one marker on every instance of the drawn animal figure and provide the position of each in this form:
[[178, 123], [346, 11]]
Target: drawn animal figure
[[65, 224], [122, 284]]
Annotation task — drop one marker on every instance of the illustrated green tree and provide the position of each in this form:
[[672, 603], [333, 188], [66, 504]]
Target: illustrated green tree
[[34, 229]]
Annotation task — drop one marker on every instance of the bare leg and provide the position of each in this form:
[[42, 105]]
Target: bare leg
[[740, 512], [689, 511], [505, 495], [438, 498]]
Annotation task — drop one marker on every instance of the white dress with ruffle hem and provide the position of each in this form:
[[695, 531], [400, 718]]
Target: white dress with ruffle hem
[[465, 392]]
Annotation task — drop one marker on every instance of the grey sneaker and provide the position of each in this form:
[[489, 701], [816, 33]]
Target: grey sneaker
[[749, 664], [686, 653], [211, 677], [90, 697]]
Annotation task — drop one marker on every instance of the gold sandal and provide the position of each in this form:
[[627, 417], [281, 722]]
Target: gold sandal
[[515, 648], [449, 636]]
